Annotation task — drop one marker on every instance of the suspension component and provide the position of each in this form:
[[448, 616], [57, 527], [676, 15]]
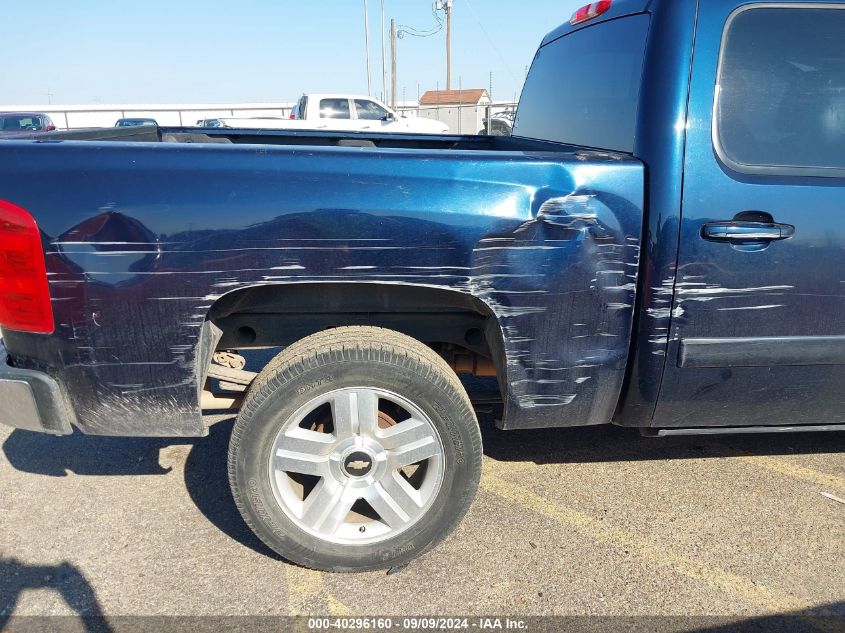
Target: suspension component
[[228, 358]]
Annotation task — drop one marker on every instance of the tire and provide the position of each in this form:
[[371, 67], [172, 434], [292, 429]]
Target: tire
[[320, 456]]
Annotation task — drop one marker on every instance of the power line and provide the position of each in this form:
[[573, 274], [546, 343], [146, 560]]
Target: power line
[[490, 40], [410, 30]]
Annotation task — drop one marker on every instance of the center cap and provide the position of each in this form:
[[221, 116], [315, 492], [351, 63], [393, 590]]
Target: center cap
[[358, 464]]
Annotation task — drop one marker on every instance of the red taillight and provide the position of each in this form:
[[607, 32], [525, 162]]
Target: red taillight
[[292, 115], [590, 11], [24, 295]]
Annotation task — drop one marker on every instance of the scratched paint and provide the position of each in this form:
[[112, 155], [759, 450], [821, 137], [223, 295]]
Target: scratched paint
[[549, 242]]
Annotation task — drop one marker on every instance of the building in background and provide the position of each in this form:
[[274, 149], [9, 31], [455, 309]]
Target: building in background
[[464, 111]]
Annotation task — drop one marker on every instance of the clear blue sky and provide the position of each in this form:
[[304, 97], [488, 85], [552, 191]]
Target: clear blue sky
[[180, 51]]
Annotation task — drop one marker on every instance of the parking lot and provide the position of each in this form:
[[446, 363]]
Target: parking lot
[[580, 521]]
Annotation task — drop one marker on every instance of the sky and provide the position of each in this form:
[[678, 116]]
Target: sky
[[223, 51]]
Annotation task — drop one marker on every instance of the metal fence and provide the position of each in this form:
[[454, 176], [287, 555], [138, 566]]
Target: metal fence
[[73, 117], [461, 118]]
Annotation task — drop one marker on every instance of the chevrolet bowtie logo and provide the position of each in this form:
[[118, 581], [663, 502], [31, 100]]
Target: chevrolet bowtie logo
[[358, 465]]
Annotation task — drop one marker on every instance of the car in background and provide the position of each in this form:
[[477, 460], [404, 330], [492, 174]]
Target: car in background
[[209, 123], [497, 126], [135, 122], [343, 113], [13, 123], [358, 112]]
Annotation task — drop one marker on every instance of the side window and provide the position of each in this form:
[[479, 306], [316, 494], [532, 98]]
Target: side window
[[334, 109], [584, 87], [780, 94], [370, 110]]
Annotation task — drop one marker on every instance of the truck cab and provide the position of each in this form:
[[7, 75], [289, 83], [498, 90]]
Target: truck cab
[[738, 109]]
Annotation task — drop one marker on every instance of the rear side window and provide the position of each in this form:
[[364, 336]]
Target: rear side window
[[334, 108], [20, 123], [780, 95], [583, 88]]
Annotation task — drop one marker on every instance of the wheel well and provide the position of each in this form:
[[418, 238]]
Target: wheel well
[[278, 315]]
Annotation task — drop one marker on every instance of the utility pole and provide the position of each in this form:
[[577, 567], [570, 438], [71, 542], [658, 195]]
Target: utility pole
[[367, 41], [383, 57], [447, 6], [393, 63]]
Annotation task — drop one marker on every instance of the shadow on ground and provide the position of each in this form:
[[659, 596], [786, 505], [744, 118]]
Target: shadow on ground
[[55, 456], [207, 481], [206, 477], [613, 444], [65, 579]]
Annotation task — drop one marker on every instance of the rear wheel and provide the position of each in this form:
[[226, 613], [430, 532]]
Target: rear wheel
[[356, 448]]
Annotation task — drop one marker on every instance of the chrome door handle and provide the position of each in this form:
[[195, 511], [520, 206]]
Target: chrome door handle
[[737, 231]]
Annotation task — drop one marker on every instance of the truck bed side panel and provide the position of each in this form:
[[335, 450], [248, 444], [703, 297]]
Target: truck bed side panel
[[142, 239]]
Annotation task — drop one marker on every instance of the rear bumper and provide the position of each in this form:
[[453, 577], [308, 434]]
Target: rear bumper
[[31, 400]]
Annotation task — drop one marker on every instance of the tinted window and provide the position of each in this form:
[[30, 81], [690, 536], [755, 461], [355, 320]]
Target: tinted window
[[21, 123], [781, 89], [583, 88], [369, 110], [334, 108], [15, 123]]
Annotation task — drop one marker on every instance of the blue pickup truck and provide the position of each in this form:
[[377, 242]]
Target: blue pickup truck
[[660, 245]]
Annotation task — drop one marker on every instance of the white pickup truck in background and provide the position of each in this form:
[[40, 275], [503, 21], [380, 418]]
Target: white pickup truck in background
[[342, 112]]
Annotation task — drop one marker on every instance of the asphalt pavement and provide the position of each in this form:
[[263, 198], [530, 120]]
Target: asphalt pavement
[[567, 521]]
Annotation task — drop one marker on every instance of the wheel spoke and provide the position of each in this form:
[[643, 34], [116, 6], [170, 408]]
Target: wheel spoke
[[394, 499], [326, 507], [406, 432], [413, 452], [355, 412], [367, 412], [306, 452]]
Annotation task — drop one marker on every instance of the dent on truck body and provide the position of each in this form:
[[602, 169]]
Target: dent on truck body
[[155, 235]]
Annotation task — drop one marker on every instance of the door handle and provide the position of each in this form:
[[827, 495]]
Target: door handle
[[738, 231]]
